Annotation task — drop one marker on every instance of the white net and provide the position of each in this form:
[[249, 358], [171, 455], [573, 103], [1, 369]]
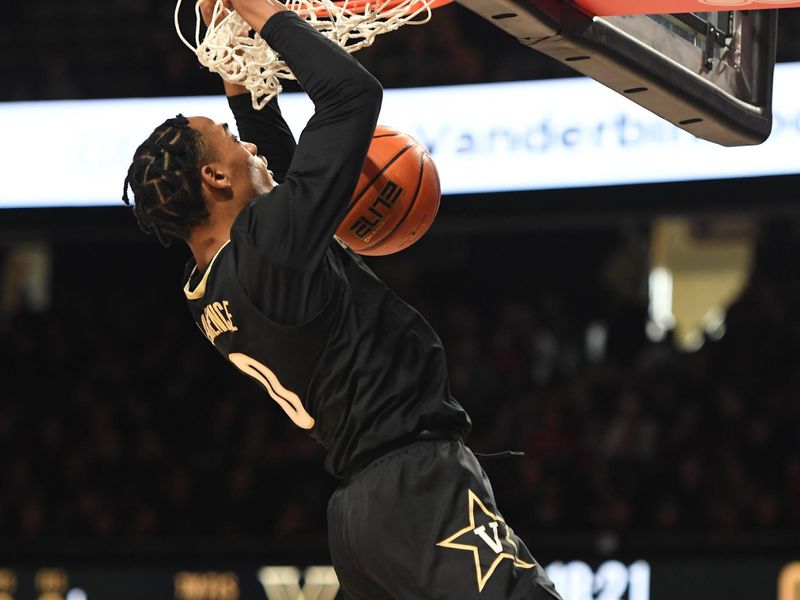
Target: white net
[[231, 49]]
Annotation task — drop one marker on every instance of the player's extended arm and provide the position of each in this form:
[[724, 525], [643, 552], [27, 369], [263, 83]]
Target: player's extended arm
[[296, 221], [266, 128]]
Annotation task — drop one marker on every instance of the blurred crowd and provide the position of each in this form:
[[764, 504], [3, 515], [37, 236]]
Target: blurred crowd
[[116, 48], [118, 419]]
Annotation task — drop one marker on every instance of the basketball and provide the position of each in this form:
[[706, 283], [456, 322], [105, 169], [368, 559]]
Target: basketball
[[396, 198]]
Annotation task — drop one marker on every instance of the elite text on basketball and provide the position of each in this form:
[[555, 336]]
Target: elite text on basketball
[[365, 228]]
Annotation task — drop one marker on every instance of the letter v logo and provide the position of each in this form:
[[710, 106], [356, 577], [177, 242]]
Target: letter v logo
[[494, 544]]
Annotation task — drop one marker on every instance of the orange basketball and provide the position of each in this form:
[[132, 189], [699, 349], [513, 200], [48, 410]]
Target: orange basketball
[[396, 198]]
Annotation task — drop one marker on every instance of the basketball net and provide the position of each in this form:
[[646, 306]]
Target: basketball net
[[240, 56]]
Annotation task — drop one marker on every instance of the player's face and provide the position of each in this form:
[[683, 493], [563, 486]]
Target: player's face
[[239, 161]]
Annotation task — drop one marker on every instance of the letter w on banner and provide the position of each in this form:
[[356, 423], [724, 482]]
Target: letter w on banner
[[609, 8], [290, 583]]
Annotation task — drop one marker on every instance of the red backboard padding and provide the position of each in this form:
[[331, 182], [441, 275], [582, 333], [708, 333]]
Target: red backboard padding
[[607, 8]]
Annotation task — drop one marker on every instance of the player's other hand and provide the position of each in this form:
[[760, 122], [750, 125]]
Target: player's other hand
[[255, 12], [207, 11]]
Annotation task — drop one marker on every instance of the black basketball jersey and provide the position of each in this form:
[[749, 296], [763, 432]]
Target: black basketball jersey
[[340, 353]]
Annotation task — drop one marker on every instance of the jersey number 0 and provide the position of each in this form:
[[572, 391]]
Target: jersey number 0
[[287, 399]]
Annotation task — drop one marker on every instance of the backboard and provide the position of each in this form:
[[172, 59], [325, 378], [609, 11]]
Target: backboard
[[709, 73]]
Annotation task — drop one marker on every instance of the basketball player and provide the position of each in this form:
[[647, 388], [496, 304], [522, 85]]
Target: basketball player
[[346, 359]]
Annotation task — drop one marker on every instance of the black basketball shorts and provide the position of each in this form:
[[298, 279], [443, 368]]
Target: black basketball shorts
[[421, 523]]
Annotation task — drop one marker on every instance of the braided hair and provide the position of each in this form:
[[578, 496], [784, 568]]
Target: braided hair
[[166, 183]]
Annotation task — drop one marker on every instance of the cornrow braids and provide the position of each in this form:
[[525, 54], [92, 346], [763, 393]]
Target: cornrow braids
[[166, 183]]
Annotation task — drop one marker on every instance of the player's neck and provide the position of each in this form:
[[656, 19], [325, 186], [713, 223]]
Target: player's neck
[[205, 241]]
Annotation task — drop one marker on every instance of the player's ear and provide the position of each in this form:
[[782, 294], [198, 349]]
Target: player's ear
[[214, 178]]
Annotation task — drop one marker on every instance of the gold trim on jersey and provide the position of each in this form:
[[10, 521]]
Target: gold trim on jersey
[[200, 290]]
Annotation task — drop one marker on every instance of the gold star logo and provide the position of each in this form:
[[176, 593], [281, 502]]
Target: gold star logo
[[486, 541]]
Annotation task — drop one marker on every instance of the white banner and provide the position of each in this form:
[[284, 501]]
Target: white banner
[[484, 138]]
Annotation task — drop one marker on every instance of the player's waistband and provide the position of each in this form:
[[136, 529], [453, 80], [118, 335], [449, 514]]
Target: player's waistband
[[365, 462]]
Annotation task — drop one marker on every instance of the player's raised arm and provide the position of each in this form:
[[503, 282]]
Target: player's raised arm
[[266, 128], [297, 220]]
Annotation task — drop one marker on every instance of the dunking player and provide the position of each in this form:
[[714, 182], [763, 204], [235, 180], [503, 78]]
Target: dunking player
[[344, 357]]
